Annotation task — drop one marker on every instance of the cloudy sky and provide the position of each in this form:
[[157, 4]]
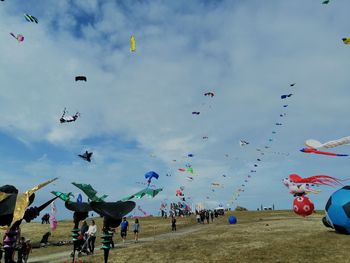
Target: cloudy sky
[[136, 107]]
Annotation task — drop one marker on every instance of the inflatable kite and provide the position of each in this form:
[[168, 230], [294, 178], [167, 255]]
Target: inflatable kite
[[325, 2], [299, 186], [195, 112], [311, 150], [19, 37], [86, 156], [13, 205], [292, 85], [132, 44], [303, 206], [30, 18], [90, 192], [150, 193], [338, 211], [71, 118], [311, 143]]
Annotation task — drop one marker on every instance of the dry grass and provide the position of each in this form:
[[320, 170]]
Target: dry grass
[[265, 236]]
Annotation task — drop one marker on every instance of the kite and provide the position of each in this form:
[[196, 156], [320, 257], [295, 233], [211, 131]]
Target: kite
[[189, 178], [316, 179], [132, 44], [205, 137], [278, 123], [303, 206], [151, 175], [30, 18], [81, 78], [299, 186], [242, 142], [19, 37], [53, 220], [79, 199], [190, 155], [72, 118], [217, 185], [325, 2], [13, 205], [90, 192], [346, 40], [86, 156], [293, 84], [150, 193], [63, 196], [311, 150], [190, 170], [286, 96], [211, 94], [195, 112], [316, 144], [182, 170], [285, 106]]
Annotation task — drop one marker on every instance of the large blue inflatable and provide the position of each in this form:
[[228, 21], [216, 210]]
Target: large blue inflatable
[[232, 220], [338, 211]]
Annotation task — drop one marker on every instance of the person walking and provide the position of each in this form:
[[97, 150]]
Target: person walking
[[173, 224], [136, 229], [92, 236], [124, 226]]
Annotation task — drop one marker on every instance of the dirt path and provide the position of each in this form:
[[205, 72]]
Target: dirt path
[[62, 256]]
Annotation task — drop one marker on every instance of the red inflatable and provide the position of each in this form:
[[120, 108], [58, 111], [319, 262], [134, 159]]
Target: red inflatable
[[303, 206]]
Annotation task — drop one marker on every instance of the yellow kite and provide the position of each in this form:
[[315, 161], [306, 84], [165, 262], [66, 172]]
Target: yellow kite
[[22, 201], [346, 40], [132, 44]]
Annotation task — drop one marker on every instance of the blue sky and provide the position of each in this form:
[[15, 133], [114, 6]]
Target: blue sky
[[136, 107]]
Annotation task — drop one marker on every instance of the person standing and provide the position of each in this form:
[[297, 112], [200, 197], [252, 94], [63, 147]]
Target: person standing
[[124, 226], [136, 229], [92, 236], [173, 224], [83, 229], [9, 242], [212, 216], [22, 248], [207, 216], [28, 250]]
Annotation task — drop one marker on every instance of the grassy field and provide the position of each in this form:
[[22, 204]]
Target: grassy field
[[265, 236]]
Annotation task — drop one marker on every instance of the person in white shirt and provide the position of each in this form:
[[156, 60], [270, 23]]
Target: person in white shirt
[[92, 236]]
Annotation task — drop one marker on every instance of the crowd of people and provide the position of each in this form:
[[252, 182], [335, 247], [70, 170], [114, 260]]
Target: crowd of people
[[206, 215]]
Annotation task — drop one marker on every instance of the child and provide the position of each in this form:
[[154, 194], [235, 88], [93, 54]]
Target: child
[[136, 229], [173, 224]]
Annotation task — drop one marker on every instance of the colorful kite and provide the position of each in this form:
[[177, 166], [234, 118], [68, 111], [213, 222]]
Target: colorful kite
[[19, 37], [311, 150], [53, 220]]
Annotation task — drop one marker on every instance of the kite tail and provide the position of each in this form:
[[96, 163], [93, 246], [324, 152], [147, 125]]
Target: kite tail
[[322, 179]]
